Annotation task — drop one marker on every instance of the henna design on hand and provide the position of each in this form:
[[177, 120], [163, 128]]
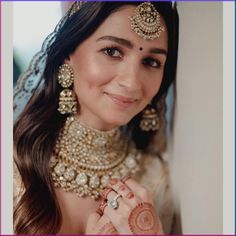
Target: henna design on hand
[[108, 228], [143, 220], [130, 195], [121, 188], [125, 178], [99, 211], [113, 181], [106, 192], [102, 207]]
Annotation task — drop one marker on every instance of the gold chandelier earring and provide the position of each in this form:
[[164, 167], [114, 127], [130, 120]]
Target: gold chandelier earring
[[149, 120], [67, 98]]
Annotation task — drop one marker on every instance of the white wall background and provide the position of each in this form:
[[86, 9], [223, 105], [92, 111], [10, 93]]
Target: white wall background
[[32, 23], [197, 145]]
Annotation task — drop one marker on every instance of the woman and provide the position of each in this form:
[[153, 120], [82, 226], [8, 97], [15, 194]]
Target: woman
[[81, 142]]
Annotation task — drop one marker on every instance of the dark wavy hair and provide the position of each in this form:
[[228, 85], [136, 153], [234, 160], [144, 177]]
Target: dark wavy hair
[[37, 128]]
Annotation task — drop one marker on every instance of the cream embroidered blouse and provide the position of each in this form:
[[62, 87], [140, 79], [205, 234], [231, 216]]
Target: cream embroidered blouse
[[155, 177]]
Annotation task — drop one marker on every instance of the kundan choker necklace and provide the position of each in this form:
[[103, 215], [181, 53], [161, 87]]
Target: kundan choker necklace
[[85, 159]]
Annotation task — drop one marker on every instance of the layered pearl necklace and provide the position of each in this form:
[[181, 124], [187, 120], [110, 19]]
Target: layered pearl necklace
[[85, 159]]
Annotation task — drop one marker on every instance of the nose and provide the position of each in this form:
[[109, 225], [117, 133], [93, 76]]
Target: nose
[[129, 77]]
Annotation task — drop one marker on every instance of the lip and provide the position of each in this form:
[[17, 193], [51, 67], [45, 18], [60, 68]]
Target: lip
[[121, 100]]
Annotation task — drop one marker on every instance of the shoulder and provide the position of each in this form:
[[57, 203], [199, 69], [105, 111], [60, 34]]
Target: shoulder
[[154, 171], [155, 177]]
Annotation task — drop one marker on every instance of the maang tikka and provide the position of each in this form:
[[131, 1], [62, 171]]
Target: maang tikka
[[146, 21], [67, 98], [149, 120]]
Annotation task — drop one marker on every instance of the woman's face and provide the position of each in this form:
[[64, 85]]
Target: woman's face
[[117, 72]]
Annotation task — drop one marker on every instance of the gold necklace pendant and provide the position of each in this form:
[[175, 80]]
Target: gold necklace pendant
[[85, 159]]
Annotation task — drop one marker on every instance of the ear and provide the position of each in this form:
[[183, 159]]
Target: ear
[[68, 60]]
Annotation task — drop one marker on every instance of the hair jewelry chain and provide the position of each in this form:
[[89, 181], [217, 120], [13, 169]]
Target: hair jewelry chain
[[146, 21]]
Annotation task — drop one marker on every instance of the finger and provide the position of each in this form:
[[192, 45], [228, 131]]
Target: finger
[[138, 189], [125, 178], [102, 226], [119, 217], [129, 196], [99, 211], [116, 205], [114, 195], [101, 208], [104, 219], [119, 187], [92, 220], [106, 192], [113, 200], [111, 196], [107, 228]]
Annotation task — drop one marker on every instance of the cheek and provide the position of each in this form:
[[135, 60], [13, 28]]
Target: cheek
[[92, 73], [151, 89]]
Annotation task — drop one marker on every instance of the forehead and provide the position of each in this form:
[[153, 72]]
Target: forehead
[[118, 24]]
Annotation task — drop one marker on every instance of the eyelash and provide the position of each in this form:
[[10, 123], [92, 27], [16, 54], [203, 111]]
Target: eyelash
[[157, 62], [146, 61], [106, 49]]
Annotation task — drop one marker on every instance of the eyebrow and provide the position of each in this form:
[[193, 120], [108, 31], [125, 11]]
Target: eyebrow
[[121, 41], [128, 44]]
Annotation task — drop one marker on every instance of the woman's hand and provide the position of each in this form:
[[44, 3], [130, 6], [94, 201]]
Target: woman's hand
[[135, 213], [98, 224]]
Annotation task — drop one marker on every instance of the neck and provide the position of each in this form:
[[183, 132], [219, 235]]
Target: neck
[[93, 138], [95, 123]]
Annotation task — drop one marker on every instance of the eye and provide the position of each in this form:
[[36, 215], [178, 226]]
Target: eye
[[152, 62], [112, 52]]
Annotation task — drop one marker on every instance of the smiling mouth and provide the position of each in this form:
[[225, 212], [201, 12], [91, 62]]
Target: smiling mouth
[[121, 100]]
